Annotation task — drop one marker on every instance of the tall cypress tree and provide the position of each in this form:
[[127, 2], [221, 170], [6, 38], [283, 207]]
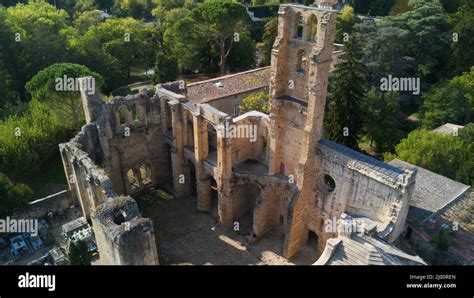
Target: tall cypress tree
[[344, 119]]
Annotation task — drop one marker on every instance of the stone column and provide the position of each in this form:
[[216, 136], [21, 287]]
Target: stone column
[[181, 173], [224, 176], [203, 182]]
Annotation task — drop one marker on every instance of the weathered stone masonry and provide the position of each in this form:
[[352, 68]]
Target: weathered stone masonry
[[162, 138]]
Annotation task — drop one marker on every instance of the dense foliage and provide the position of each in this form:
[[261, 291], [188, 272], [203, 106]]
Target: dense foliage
[[256, 102], [78, 253], [12, 195], [344, 117], [29, 140], [119, 41]]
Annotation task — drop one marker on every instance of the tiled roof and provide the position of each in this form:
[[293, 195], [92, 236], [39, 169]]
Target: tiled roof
[[374, 164], [234, 84], [432, 193]]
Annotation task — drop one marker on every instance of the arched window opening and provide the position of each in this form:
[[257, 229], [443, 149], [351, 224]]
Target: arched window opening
[[135, 116], [122, 115], [211, 138], [169, 123], [299, 26], [132, 179], [145, 174], [301, 63], [313, 27]]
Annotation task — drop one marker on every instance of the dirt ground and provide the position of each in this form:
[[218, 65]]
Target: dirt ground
[[186, 236]]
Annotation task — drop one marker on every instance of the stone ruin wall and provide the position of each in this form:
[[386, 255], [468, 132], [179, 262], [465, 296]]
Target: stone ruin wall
[[362, 191], [134, 143], [123, 236], [96, 172]]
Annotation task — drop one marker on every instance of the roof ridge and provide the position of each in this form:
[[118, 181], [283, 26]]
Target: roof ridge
[[229, 76]]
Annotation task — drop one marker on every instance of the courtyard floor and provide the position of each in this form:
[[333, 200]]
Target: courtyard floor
[[186, 236]]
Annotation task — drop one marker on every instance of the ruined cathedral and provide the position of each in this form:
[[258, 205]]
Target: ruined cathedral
[[288, 177]]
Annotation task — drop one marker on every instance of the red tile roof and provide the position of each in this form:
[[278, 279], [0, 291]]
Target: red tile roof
[[229, 85]]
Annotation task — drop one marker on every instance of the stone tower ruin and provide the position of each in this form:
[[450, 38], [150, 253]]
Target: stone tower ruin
[[175, 138]]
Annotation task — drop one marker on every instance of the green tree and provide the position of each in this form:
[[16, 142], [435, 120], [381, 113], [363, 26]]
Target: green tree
[[344, 118], [166, 66], [415, 43], [138, 9], [372, 7], [430, 44], [451, 101], [78, 253], [192, 53], [29, 140], [112, 47], [47, 86], [83, 6], [345, 23], [269, 34], [87, 19], [256, 102], [430, 150], [12, 195], [465, 171], [463, 59], [384, 50], [441, 241], [381, 119], [105, 4], [41, 37], [243, 54], [7, 84], [218, 21]]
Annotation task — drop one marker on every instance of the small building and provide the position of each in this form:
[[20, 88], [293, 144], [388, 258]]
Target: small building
[[433, 194], [68, 229], [228, 92], [18, 246], [449, 129], [36, 242], [87, 236], [329, 4], [58, 256]]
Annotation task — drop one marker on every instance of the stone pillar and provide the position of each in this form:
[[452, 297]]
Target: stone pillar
[[274, 142], [224, 176], [203, 182], [181, 173]]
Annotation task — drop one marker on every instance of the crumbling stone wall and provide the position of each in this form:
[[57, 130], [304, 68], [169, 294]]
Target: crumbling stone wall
[[123, 236], [160, 138]]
